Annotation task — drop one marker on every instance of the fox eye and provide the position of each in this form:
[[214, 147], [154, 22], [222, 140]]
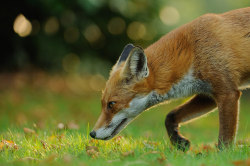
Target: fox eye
[[111, 104]]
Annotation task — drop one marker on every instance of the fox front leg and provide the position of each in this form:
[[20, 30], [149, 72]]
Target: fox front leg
[[228, 117], [195, 107]]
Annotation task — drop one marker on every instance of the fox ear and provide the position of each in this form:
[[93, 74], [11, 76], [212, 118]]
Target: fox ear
[[136, 65], [125, 53]]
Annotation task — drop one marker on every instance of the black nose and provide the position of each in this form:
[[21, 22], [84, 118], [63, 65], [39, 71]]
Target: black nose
[[92, 134]]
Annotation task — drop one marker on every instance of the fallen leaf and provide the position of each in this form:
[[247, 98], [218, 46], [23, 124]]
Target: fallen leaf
[[54, 146], [151, 152], [1, 146], [60, 137], [152, 143], [92, 151], [8, 145], [92, 148], [28, 159], [129, 153], [242, 162], [118, 138], [73, 126], [29, 132], [238, 162], [95, 141], [207, 148], [45, 145]]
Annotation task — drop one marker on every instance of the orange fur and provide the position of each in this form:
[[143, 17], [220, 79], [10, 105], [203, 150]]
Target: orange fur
[[216, 47]]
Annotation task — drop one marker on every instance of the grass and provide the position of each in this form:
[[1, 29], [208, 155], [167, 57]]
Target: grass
[[60, 118]]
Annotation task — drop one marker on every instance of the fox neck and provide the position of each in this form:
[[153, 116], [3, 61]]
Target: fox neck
[[169, 60], [171, 72], [188, 85]]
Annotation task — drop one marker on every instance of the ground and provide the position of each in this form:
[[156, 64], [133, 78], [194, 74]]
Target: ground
[[45, 119]]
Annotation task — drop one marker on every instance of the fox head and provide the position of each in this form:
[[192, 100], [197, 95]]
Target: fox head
[[124, 96]]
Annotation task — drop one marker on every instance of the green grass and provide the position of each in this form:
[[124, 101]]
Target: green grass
[[143, 142]]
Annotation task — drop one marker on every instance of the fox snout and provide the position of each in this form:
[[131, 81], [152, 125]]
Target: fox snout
[[92, 134], [107, 132]]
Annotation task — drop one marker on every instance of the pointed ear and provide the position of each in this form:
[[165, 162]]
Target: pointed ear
[[124, 55], [136, 65]]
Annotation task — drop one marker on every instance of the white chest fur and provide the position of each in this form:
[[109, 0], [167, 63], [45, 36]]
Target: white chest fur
[[187, 86]]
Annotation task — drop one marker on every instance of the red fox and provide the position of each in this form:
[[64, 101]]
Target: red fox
[[208, 58]]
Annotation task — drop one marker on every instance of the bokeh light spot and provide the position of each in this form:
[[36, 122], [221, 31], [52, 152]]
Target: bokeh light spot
[[169, 15], [22, 26], [51, 25], [136, 30], [92, 33], [120, 6], [151, 33], [71, 34], [116, 25], [71, 63]]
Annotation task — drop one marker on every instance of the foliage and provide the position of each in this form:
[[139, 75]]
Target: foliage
[[94, 31]]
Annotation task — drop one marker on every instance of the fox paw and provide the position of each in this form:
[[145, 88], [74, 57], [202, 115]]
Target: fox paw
[[182, 144]]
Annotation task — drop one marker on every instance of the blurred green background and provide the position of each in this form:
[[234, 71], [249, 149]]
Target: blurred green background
[[89, 35], [56, 56]]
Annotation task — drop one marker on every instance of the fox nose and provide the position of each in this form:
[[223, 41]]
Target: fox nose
[[92, 134]]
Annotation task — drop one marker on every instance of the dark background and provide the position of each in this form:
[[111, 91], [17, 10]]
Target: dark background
[[90, 34]]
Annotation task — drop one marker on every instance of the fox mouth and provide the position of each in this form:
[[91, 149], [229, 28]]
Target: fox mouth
[[116, 129]]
